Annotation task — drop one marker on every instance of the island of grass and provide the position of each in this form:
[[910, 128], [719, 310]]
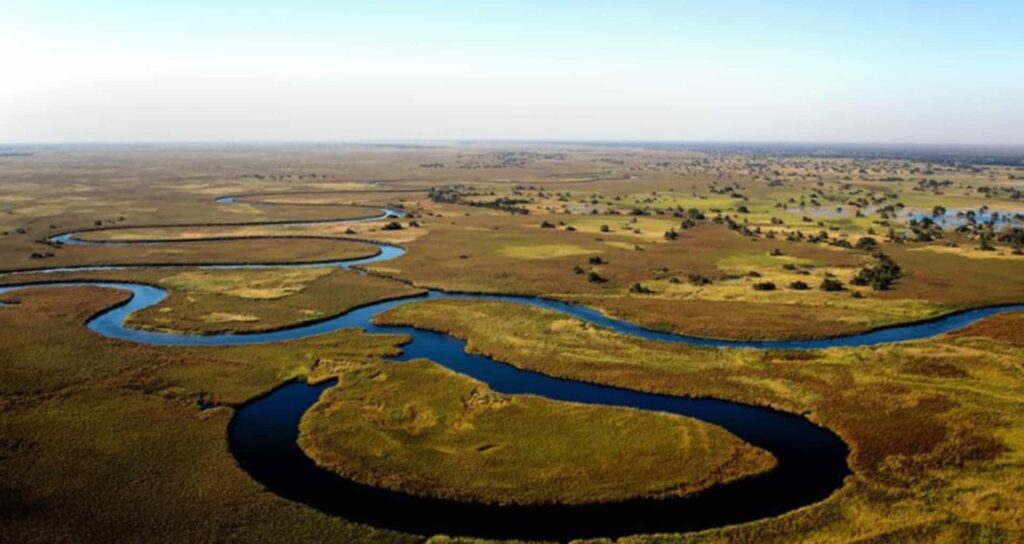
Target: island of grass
[[422, 429], [253, 300]]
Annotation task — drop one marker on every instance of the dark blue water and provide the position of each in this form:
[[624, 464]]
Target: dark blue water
[[811, 459]]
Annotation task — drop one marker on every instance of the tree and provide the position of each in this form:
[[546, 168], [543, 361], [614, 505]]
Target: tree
[[799, 286], [866, 243], [764, 286], [985, 243], [881, 276]]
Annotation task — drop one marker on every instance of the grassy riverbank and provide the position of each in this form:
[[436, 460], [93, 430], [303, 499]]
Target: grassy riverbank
[[935, 426], [420, 428]]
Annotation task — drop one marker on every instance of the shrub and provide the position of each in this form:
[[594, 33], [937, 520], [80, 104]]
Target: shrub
[[698, 279], [799, 286], [764, 286], [832, 284], [639, 288]]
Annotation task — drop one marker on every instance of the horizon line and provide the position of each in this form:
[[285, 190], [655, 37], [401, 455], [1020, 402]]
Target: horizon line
[[625, 142]]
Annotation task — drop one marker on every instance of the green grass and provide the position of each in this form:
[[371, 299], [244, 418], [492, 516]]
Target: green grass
[[209, 301], [103, 440], [420, 428], [935, 426]]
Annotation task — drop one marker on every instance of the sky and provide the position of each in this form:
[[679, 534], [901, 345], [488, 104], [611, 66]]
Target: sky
[[313, 70]]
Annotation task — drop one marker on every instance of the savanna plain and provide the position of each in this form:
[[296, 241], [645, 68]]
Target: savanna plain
[[105, 439]]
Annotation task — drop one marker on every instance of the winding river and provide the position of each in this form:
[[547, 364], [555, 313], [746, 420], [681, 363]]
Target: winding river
[[812, 461]]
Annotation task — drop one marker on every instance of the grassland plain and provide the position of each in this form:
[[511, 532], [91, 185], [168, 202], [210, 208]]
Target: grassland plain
[[491, 253], [93, 421], [420, 428], [97, 434], [935, 426], [103, 440]]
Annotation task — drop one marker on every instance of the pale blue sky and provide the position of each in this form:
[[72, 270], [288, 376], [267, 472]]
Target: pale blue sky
[[867, 71]]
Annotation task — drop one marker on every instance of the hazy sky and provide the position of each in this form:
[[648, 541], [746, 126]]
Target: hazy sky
[[218, 70]]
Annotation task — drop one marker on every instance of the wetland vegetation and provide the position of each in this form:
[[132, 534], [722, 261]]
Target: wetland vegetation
[[97, 434]]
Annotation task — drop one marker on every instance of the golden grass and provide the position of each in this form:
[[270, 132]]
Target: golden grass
[[251, 284], [544, 251]]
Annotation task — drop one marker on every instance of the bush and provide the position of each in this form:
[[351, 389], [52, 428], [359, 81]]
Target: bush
[[698, 279], [594, 277], [639, 288], [393, 225], [832, 284], [799, 286], [764, 286]]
